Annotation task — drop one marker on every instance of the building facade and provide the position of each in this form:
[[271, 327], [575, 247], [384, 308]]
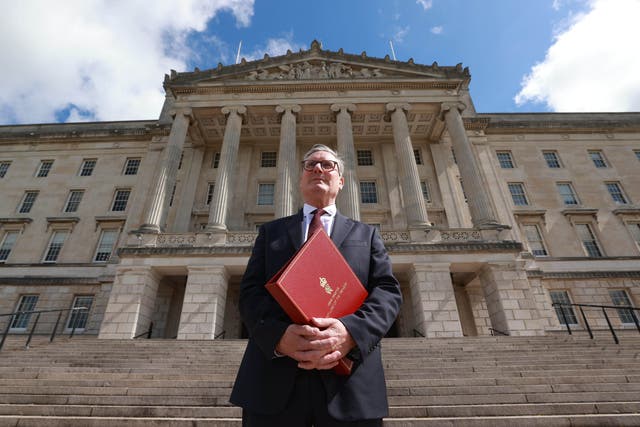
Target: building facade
[[488, 218]]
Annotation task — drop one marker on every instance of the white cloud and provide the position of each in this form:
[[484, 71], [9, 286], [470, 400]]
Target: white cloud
[[400, 34], [437, 30], [426, 4], [98, 59], [591, 65], [274, 47]]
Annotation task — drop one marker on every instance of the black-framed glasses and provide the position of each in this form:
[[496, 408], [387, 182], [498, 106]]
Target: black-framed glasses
[[327, 165]]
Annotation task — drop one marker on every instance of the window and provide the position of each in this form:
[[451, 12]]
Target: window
[[517, 194], [120, 200], [44, 168], [27, 201], [78, 318], [589, 242], [424, 185], [620, 297], [86, 169], [131, 166], [73, 201], [265, 194], [105, 245], [8, 241], [634, 229], [173, 194], [567, 194], [417, 154], [215, 162], [268, 159], [615, 190], [598, 158], [210, 189], [552, 159], [368, 192], [637, 152], [4, 167], [533, 236], [21, 321], [562, 297], [365, 157], [505, 159], [55, 246]]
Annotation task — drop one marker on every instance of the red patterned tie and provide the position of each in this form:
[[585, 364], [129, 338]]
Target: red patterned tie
[[315, 222]]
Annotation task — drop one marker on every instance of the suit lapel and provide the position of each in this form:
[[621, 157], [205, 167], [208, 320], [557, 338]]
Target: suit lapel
[[294, 227], [341, 227]]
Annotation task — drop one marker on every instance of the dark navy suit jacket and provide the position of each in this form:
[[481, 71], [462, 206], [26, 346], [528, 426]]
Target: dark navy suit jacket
[[264, 382]]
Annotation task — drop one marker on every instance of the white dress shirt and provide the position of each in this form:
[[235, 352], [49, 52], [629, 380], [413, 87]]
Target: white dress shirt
[[326, 219]]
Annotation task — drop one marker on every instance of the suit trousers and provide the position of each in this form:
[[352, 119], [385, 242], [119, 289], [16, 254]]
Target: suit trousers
[[307, 407]]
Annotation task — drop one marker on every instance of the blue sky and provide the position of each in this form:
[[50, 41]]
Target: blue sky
[[87, 60]]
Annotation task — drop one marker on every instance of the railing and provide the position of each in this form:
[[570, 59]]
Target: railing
[[604, 312], [35, 323], [494, 332]]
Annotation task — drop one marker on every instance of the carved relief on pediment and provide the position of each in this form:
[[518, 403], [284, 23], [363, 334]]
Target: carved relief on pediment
[[311, 71]]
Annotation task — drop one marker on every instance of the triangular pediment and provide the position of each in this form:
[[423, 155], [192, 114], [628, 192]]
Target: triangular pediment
[[316, 64]]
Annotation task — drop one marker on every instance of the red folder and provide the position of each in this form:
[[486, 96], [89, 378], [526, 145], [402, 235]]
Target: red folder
[[318, 282]]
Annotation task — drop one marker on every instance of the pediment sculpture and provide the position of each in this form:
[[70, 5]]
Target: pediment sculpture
[[307, 71]]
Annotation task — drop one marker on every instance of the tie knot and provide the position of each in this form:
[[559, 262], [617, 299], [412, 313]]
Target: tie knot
[[318, 212]]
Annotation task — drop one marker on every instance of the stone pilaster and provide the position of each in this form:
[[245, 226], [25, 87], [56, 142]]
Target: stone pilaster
[[349, 197], [226, 169], [205, 295], [414, 203], [482, 212], [510, 299], [165, 178], [287, 165], [185, 199], [131, 303], [434, 301]]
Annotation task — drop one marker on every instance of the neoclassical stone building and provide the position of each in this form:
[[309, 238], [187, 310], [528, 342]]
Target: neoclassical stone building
[[488, 218]]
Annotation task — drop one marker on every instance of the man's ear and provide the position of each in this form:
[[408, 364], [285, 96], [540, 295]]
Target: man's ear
[[341, 182]]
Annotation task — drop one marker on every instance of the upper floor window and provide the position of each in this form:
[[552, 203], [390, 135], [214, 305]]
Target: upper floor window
[[552, 159], [215, 162], [78, 318], [565, 313], [598, 158], [210, 188], [131, 166], [266, 192], [615, 190], [517, 194], [424, 185], [268, 159], [634, 229], [368, 192], [21, 321], [532, 233], [105, 245], [8, 241], [55, 246], [4, 167], [417, 154], [44, 168], [505, 159], [568, 196], [637, 154], [120, 199], [620, 297], [73, 201], [588, 239], [28, 200], [86, 169], [365, 157]]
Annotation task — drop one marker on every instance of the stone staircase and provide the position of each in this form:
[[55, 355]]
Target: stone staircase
[[556, 380]]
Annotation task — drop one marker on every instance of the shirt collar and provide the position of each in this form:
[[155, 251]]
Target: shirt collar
[[307, 209]]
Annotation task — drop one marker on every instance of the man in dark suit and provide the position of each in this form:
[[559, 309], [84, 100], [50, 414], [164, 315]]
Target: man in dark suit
[[285, 378]]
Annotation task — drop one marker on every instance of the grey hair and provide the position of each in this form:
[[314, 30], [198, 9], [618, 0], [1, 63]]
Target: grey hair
[[322, 147]]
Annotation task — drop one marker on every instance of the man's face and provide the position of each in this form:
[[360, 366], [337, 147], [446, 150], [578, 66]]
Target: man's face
[[320, 188]]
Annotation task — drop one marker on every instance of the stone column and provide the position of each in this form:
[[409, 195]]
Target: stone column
[[230, 143], [131, 303], [434, 301], [482, 212], [510, 299], [349, 196], [205, 296], [165, 179], [287, 165], [414, 203], [192, 163]]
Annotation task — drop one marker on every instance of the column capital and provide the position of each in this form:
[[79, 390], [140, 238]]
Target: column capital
[[395, 106], [187, 112], [237, 109], [350, 108], [445, 107], [293, 108]]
